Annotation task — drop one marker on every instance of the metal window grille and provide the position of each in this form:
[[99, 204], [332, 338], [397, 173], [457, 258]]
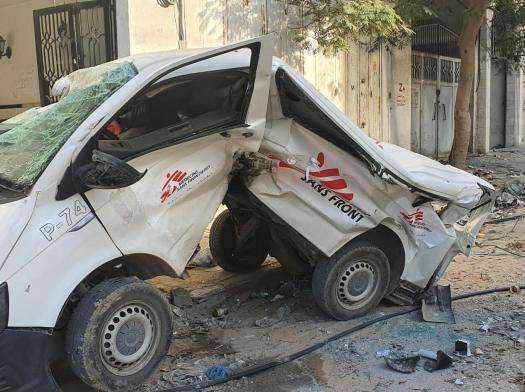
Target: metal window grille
[[73, 36]]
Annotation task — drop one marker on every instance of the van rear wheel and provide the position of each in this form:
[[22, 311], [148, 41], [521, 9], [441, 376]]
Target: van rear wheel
[[118, 334], [234, 254], [352, 282]]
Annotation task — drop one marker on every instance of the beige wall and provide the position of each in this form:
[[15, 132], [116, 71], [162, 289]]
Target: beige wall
[[150, 27], [400, 96]]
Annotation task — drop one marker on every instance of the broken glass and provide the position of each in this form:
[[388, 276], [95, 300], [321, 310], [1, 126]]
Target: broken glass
[[28, 147]]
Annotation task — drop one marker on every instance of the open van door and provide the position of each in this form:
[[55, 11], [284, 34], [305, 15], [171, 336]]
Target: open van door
[[185, 164]]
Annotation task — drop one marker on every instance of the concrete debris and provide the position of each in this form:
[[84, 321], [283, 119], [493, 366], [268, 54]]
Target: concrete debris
[[506, 200], [515, 289], [402, 362], [458, 381], [178, 311], [478, 351], [518, 316], [202, 259], [277, 297], [180, 377], [516, 187], [181, 297]]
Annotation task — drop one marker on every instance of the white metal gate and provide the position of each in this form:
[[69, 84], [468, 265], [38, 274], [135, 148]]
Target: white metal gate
[[434, 86]]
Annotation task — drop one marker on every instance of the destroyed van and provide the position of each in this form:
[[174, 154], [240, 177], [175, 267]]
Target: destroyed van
[[116, 182]]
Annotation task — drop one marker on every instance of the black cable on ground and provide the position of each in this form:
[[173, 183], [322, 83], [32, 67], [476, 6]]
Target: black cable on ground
[[252, 370]]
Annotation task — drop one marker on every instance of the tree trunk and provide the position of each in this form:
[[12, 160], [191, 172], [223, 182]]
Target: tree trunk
[[474, 16]]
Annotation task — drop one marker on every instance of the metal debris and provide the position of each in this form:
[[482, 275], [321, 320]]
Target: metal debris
[[437, 305], [462, 347], [441, 361]]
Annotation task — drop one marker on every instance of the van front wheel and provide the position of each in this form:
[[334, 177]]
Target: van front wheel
[[118, 334], [235, 254]]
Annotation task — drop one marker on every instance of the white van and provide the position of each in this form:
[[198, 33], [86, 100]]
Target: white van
[[116, 182]]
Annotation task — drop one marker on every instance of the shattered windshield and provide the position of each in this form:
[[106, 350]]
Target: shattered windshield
[[36, 137]]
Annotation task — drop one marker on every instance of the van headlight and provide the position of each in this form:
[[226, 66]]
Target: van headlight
[[4, 306]]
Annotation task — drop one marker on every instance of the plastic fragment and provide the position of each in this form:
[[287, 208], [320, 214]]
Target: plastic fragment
[[382, 353], [218, 372]]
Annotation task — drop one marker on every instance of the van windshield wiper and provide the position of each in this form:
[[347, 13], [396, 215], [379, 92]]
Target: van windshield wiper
[[7, 187], [6, 127]]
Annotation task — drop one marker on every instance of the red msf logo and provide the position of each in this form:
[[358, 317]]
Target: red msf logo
[[330, 178], [379, 144], [413, 217], [172, 184]]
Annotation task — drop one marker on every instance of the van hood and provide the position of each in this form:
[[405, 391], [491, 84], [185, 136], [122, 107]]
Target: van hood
[[430, 176], [14, 217]]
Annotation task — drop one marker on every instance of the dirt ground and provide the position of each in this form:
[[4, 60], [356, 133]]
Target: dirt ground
[[241, 321]]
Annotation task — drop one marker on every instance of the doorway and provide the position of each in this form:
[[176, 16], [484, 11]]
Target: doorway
[[71, 37], [498, 98], [434, 87]]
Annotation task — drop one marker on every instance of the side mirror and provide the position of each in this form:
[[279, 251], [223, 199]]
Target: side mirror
[[107, 172]]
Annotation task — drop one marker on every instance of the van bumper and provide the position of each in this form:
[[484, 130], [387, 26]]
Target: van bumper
[[25, 358]]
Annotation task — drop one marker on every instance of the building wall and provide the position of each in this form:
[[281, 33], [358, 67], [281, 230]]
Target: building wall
[[520, 138], [400, 96], [151, 27], [498, 89]]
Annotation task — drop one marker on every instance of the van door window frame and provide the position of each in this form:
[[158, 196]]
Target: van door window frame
[[68, 186]]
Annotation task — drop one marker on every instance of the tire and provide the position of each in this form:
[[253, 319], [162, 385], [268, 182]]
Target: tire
[[223, 247], [105, 355], [361, 264]]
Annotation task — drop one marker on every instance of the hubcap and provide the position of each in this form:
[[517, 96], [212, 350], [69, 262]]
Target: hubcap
[[129, 340], [356, 283]]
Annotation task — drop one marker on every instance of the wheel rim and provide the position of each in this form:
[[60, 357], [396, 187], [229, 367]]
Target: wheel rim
[[130, 338], [356, 283]]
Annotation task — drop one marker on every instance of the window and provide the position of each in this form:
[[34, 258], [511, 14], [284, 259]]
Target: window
[[193, 101]]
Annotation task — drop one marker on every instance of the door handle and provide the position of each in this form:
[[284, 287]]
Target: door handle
[[435, 110], [237, 134], [444, 112]]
